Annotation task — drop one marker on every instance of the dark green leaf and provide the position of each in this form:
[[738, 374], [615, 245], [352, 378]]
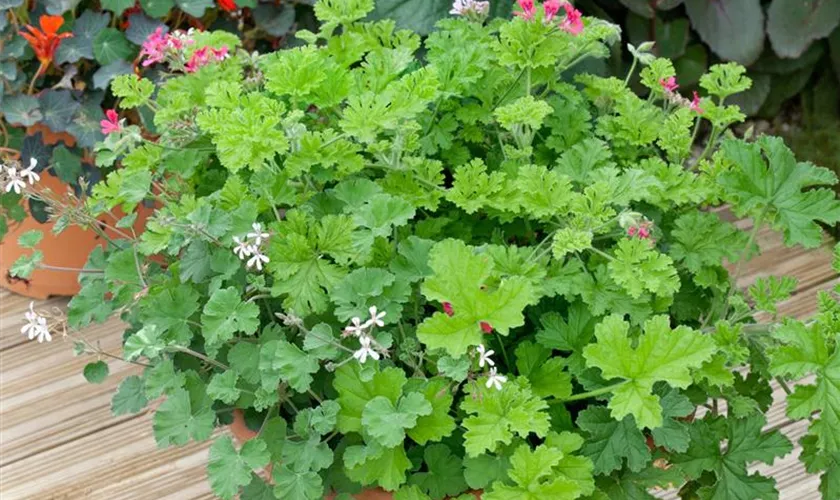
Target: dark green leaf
[[733, 29], [21, 109], [111, 45], [96, 372]]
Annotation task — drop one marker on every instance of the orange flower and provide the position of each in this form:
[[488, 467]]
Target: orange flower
[[227, 5], [46, 40]]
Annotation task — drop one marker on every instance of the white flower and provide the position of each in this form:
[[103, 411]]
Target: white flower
[[469, 7], [484, 356], [356, 328], [31, 176], [375, 317], [16, 183], [243, 248], [365, 350], [494, 379], [257, 260], [258, 235], [36, 326]]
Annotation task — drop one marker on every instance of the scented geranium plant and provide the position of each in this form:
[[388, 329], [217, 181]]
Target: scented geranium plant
[[456, 265]]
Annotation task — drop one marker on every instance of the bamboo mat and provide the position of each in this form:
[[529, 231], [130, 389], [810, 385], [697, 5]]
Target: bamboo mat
[[58, 439]]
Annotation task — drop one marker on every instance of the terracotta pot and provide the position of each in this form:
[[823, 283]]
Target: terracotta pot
[[242, 433], [70, 249]]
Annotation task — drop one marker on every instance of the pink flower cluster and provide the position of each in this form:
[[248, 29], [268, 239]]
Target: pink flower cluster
[[162, 47], [642, 231], [572, 23], [669, 86], [204, 56], [159, 45]]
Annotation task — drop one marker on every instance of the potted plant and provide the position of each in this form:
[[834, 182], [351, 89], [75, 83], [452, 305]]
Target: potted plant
[[452, 265]]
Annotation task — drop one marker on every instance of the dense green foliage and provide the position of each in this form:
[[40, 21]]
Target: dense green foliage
[[550, 315]]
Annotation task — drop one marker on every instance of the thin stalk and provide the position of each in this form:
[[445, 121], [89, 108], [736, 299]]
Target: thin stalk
[[601, 253], [502, 348], [69, 269], [753, 234], [187, 350], [630, 73], [35, 77], [589, 394]]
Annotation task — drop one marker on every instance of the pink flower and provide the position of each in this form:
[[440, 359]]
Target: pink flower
[[447, 308], [573, 23], [528, 10], [154, 48], [669, 85], [631, 231], [695, 104], [642, 230], [551, 8], [485, 327], [203, 56], [112, 123]]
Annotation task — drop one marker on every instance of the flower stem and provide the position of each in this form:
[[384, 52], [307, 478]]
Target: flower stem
[[590, 394], [35, 77], [200, 356]]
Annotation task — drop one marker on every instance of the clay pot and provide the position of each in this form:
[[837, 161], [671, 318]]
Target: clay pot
[[242, 433], [69, 249]]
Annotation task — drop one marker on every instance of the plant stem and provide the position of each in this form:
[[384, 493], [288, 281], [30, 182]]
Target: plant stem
[[69, 269], [602, 253], [590, 394], [200, 356], [35, 77], [753, 234], [630, 73], [502, 348]]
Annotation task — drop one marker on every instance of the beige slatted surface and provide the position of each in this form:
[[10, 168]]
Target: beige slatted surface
[[59, 441]]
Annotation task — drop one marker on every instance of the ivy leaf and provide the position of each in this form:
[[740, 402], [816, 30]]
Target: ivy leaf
[[170, 310], [610, 442], [222, 387], [734, 30], [354, 393], [807, 350], [661, 354], [282, 360], [445, 473], [194, 8], [570, 334], [458, 279], [544, 372], [495, 416], [768, 291], [386, 423], [531, 472], [230, 470], [638, 268], [117, 6], [673, 434], [792, 26], [185, 414], [373, 464], [745, 444], [481, 470], [111, 45], [439, 423], [307, 454], [225, 314], [66, 165], [96, 372], [130, 397], [85, 29], [769, 181], [163, 379], [157, 8], [21, 109], [293, 485]]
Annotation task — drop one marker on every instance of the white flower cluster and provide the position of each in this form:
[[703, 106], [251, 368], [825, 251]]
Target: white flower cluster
[[250, 247], [363, 332], [16, 179], [36, 325], [493, 377], [470, 8]]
